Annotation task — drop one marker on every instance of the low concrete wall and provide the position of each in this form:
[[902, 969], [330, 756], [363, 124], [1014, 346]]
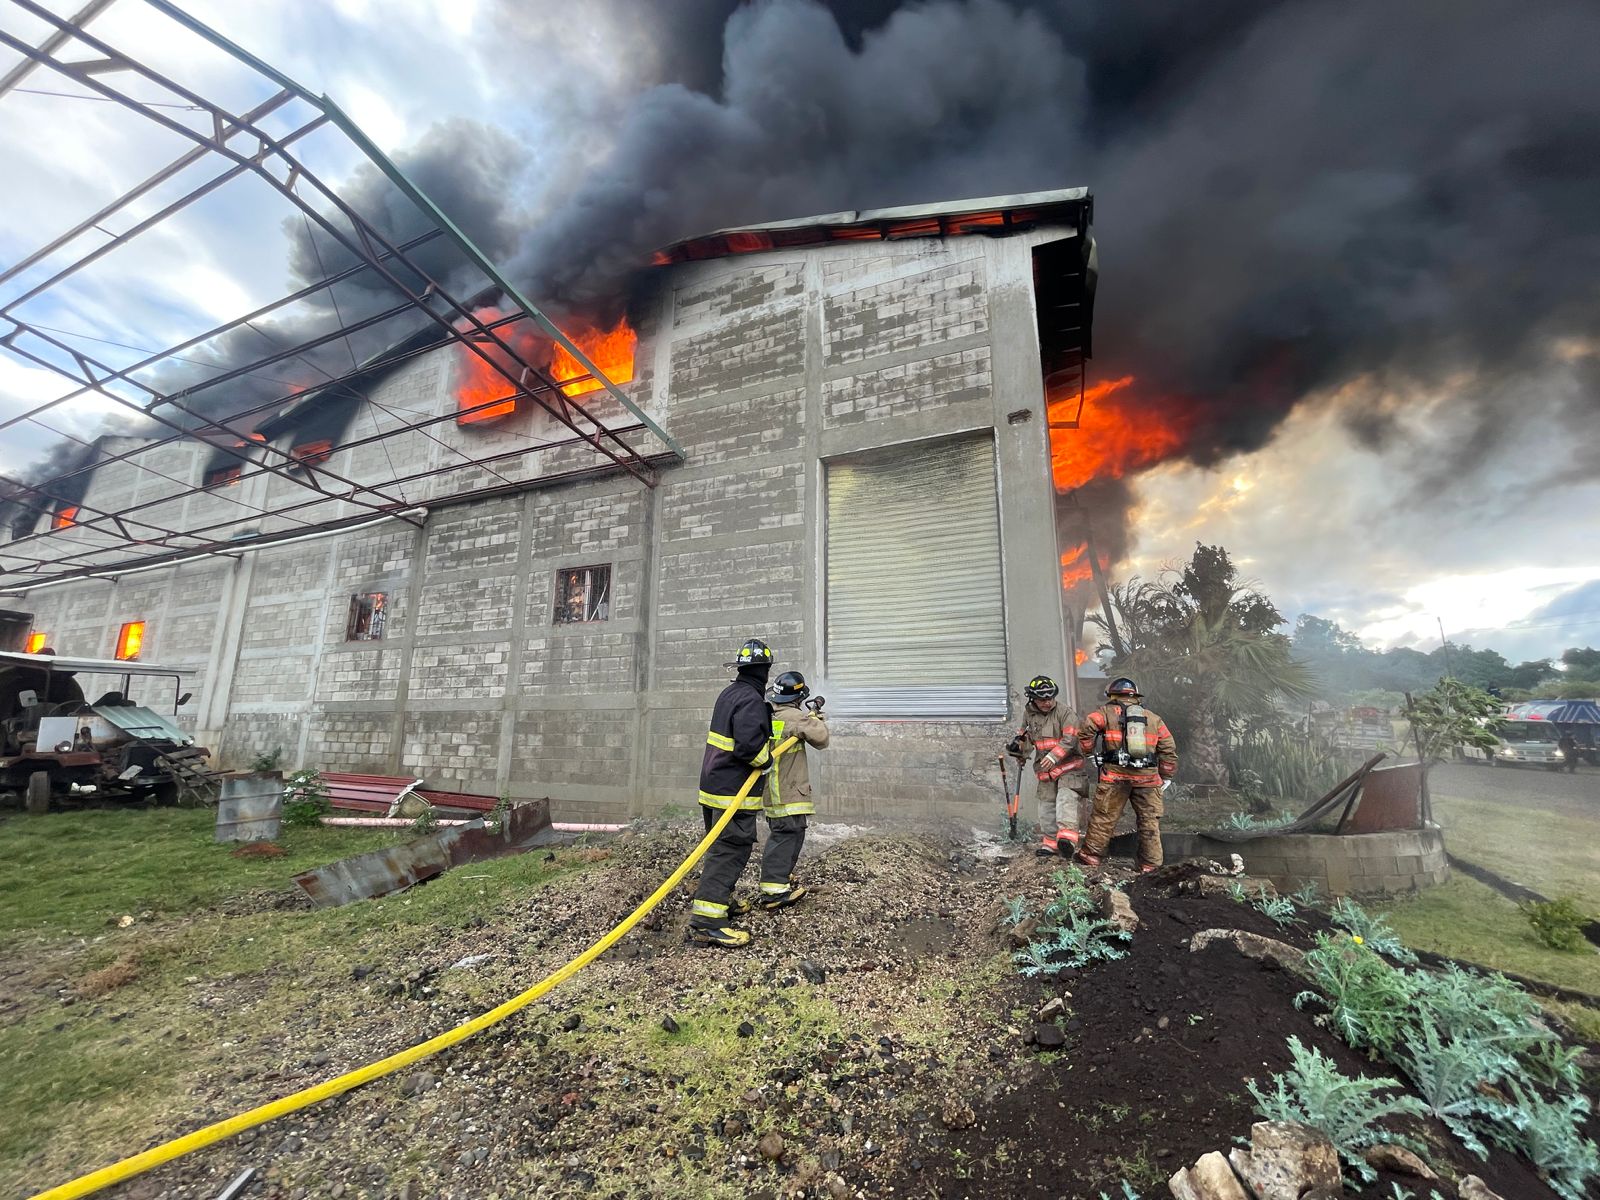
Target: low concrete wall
[[1361, 864]]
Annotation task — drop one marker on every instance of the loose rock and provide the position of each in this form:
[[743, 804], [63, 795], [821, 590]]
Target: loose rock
[[1049, 1037], [422, 1081], [812, 972], [571, 1023], [1116, 908], [1399, 1161], [1285, 1160], [771, 1146], [668, 1024], [1265, 950], [1473, 1188], [956, 1113], [1052, 1008], [1211, 1178]]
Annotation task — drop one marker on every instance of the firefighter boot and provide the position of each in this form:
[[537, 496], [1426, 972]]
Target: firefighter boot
[[725, 936], [1088, 860], [739, 908], [790, 895], [1067, 843]]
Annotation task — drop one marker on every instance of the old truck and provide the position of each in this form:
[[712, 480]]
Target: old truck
[[56, 744]]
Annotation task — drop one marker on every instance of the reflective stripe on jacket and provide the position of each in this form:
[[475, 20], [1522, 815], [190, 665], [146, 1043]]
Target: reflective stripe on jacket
[[788, 791], [738, 742], [1105, 723], [1041, 730]]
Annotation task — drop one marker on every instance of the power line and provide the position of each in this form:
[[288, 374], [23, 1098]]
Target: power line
[[109, 99]]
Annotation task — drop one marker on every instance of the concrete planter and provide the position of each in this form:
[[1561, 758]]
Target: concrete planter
[[250, 808]]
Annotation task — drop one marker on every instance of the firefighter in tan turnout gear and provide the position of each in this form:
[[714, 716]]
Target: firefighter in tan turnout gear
[[1050, 736], [1138, 759], [788, 801], [738, 742]]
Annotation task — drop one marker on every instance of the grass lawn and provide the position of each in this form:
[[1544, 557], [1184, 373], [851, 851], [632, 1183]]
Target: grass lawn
[[1553, 852], [73, 874], [1550, 851], [122, 1052]]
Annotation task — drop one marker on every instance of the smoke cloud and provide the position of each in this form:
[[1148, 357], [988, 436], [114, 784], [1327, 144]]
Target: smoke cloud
[[1292, 195]]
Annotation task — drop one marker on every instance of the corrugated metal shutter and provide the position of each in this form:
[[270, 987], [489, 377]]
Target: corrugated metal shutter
[[915, 610]]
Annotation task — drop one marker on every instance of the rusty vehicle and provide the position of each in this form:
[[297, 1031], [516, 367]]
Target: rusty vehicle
[[58, 745]]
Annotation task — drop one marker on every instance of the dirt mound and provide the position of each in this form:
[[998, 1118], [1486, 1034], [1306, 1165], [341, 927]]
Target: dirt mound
[[1157, 1051]]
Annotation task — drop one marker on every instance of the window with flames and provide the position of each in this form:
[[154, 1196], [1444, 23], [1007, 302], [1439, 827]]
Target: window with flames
[[130, 641], [368, 615], [583, 594], [222, 477], [37, 641]]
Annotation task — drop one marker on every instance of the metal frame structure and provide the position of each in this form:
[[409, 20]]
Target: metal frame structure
[[229, 146]]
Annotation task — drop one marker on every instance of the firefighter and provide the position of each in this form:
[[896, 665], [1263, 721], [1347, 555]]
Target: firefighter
[[1138, 759], [1049, 735], [787, 801], [738, 742]]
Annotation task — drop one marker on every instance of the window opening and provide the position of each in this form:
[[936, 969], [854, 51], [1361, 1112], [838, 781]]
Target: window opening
[[222, 477], [368, 615], [309, 454], [583, 594], [37, 641], [66, 517], [1063, 295], [130, 641]]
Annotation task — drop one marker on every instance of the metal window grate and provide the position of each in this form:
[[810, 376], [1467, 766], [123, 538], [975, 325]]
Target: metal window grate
[[583, 594], [368, 614]]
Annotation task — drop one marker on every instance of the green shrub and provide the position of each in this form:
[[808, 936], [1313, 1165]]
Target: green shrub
[[305, 799], [426, 821], [1558, 924], [267, 760], [1547, 1132], [1372, 928], [1366, 998], [1347, 1111], [1280, 910]]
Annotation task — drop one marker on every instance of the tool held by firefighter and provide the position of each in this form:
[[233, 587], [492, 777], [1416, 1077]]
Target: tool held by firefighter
[[1048, 733], [1012, 795], [1138, 759]]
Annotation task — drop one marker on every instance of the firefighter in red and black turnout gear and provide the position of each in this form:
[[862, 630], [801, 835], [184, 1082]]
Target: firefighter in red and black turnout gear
[[1050, 736], [1138, 759], [738, 742]]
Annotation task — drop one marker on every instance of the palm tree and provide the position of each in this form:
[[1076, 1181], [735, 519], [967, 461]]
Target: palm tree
[[1214, 638]]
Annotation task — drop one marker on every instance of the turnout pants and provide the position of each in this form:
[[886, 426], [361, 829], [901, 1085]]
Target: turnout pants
[[1063, 807], [1110, 798], [724, 863], [785, 837]]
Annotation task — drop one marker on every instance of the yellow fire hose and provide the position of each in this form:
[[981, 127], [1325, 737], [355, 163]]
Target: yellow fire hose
[[85, 1185]]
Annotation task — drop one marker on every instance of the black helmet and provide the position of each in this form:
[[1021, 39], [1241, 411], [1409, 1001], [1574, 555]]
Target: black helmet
[[1122, 688], [754, 653], [1041, 687], [789, 688]]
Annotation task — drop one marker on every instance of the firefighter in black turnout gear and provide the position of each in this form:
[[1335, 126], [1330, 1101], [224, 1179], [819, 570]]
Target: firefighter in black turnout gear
[[738, 742]]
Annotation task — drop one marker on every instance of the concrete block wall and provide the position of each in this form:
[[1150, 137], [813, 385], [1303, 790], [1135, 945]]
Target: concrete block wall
[[765, 368], [1362, 864]]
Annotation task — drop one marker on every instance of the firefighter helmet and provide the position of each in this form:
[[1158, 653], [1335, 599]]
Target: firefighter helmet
[[754, 653], [1041, 687], [789, 688], [1123, 688]]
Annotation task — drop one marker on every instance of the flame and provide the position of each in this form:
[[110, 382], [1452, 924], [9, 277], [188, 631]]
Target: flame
[[1075, 567], [1109, 440], [609, 349], [1080, 656], [483, 392]]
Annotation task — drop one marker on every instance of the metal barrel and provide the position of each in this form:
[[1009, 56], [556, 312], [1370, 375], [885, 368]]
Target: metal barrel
[[250, 808]]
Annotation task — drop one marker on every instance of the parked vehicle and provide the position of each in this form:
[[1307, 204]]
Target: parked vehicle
[[54, 745], [1521, 743]]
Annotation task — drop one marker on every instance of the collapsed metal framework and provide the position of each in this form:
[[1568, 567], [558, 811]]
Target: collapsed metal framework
[[229, 146]]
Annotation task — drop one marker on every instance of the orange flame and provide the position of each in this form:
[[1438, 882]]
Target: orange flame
[[483, 392], [609, 349], [1080, 656], [1109, 440]]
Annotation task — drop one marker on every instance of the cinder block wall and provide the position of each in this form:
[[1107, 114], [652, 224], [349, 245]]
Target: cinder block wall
[[763, 367]]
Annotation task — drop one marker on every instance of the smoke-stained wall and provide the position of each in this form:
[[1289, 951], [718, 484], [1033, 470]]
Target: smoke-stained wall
[[765, 367]]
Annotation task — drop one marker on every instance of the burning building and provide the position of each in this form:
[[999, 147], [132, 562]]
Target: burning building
[[859, 470]]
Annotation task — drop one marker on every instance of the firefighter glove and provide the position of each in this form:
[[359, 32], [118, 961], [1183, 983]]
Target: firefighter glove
[[1015, 747]]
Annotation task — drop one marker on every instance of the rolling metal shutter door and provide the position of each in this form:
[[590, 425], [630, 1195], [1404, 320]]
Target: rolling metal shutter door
[[915, 607]]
